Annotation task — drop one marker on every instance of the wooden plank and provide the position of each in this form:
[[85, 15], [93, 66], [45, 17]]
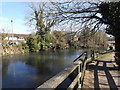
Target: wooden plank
[[59, 78], [93, 63], [83, 72], [79, 87], [79, 56], [78, 62], [72, 85]]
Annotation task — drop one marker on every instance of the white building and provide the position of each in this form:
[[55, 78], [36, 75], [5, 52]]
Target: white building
[[16, 38]]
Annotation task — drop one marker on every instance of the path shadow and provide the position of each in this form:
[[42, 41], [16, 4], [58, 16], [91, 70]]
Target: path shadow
[[106, 69]]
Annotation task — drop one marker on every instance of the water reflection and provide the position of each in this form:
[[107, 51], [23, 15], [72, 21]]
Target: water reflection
[[31, 70]]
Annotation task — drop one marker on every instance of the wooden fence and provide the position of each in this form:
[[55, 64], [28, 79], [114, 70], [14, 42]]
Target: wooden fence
[[74, 73]]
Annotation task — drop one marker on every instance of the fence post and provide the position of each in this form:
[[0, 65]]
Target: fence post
[[79, 74], [81, 66], [92, 55]]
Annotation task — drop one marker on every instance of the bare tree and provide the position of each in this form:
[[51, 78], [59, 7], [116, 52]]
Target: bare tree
[[93, 14], [79, 13], [39, 18]]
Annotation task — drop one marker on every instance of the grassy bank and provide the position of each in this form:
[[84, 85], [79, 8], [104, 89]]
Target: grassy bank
[[105, 54]]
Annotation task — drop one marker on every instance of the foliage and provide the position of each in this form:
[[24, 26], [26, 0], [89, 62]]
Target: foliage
[[100, 39], [40, 19], [45, 18], [43, 25], [94, 14], [25, 47], [60, 42], [91, 39], [2, 40], [85, 36], [73, 44], [5, 44], [111, 14], [3, 36], [32, 42]]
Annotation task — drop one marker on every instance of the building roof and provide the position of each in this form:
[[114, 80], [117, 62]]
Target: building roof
[[16, 35], [24, 35]]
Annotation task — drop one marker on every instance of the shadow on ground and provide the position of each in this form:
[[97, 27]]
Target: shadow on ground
[[112, 74]]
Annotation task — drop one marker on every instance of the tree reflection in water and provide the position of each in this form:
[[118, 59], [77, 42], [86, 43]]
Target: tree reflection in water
[[31, 70]]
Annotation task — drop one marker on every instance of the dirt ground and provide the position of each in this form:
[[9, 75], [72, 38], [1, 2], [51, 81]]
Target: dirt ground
[[102, 74]]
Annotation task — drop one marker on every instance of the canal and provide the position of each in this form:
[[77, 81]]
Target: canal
[[31, 70]]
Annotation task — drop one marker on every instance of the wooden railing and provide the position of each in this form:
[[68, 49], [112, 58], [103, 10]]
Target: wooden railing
[[75, 73]]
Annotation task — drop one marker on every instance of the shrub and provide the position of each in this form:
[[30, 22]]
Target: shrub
[[25, 47], [33, 43]]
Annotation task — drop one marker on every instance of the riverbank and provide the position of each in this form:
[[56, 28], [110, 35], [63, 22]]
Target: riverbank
[[11, 49]]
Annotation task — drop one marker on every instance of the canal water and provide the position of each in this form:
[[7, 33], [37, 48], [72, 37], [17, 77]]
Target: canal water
[[31, 70]]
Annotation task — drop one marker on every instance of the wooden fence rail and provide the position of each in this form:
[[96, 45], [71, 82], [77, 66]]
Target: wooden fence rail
[[75, 72]]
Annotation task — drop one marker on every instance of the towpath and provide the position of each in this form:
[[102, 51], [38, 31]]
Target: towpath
[[102, 74]]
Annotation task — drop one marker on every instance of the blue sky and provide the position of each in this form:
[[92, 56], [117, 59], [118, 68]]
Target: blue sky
[[15, 11]]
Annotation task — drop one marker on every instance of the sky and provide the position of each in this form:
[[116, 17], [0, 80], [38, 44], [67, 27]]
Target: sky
[[15, 11]]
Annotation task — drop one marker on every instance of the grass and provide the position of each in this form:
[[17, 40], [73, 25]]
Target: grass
[[104, 55], [100, 56]]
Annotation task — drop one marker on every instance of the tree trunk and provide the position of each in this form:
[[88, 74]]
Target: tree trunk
[[117, 49]]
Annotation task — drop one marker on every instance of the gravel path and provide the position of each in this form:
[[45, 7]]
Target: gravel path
[[102, 75]]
